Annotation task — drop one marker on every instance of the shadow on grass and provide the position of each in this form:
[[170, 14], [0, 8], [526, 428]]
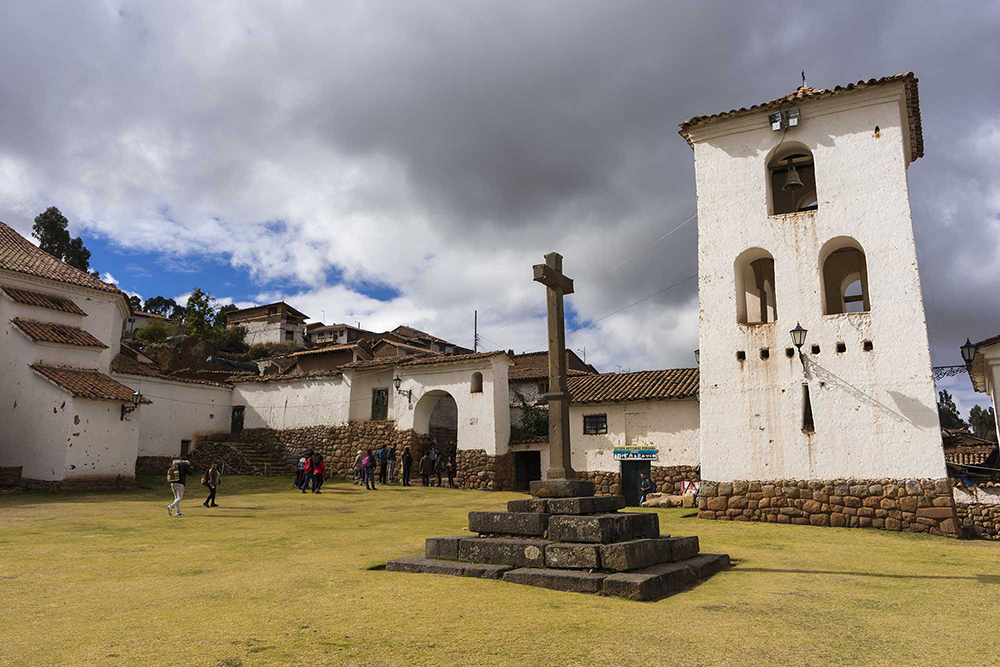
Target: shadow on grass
[[981, 578]]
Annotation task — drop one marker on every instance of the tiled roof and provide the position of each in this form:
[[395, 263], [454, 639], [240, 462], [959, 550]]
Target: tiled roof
[[422, 360], [50, 301], [86, 384], [406, 346], [287, 377], [20, 255], [804, 93], [128, 366], [402, 330], [247, 313], [639, 386], [325, 349], [45, 332], [535, 365]]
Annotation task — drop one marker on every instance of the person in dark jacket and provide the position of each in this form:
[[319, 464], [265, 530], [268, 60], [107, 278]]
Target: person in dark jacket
[[646, 487], [391, 457], [382, 456], [369, 465], [212, 480], [407, 466], [438, 465], [184, 468], [451, 474], [426, 468], [319, 473]]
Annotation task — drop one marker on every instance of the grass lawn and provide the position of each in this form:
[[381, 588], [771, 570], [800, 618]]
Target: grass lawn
[[274, 577]]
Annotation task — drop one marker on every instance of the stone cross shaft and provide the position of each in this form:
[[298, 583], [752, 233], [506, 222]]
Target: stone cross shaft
[[558, 285]]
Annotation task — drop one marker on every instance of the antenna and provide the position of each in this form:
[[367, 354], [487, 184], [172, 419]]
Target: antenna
[[475, 331]]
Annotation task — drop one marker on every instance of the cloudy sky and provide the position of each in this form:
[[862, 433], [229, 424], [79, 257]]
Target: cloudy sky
[[407, 162]]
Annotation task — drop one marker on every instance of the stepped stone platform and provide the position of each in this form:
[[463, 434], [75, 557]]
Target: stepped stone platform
[[565, 538]]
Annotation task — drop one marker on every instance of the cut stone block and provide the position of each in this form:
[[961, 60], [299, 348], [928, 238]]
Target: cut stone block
[[485, 570], [705, 565], [635, 554], [503, 551], [682, 548], [573, 556], [650, 583], [561, 488], [445, 548], [574, 581], [508, 523], [527, 505], [602, 528], [585, 505], [433, 566]]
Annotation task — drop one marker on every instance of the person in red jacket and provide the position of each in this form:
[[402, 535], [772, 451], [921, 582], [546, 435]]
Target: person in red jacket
[[308, 472], [319, 473]]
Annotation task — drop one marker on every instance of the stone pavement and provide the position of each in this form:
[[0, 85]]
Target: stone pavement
[[579, 543]]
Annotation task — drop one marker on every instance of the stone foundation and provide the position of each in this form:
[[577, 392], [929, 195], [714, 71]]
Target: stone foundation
[[913, 505], [478, 470], [10, 476], [99, 484], [667, 479], [979, 521]]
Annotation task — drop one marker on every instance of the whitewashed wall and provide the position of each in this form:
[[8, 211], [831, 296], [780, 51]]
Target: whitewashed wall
[[179, 411], [361, 383], [875, 412], [295, 403], [101, 445], [976, 495]]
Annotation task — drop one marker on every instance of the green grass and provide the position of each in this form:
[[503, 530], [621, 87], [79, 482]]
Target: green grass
[[274, 577]]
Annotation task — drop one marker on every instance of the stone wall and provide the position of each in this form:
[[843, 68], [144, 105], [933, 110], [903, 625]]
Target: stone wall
[[979, 520], [477, 470], [152, 465], [605, 483], [103, 484], [667, 479], [913, 505]]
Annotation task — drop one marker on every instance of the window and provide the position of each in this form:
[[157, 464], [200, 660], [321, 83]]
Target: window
[[815, 349], [543, 387], [741, 356], [380, 404], [755, 297], [845, 277], [765, 353], [791, 180], [808, 425], [289, 335], [272, 311], [595, 424], [477, 383]]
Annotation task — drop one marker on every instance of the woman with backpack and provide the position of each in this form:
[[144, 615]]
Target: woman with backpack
[[368, 463], [211, 479]]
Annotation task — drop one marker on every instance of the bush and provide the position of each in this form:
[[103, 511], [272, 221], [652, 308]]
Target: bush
[[157, 331], [231, 339]]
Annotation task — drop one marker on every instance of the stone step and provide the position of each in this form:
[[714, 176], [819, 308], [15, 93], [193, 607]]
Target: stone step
[[503, 551], [561, 488], [658, 581], [531, 524], [601, 528], [580, 505], [574, 581], [433, 566]]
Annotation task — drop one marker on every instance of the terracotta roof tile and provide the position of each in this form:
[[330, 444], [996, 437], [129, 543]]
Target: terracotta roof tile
[[86, 384], [805, 93], [325, 349], [20, 255], [422, 360], [45, 332], [535, 366], [128, 366], [639, 386], [50, 301], [286, 377]]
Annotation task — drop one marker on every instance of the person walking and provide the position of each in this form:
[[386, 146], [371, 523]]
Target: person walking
[[307, 477], [319, 473], [369, 466], [383, 461], [392, 462], [359, 471], [177, 476], [438, 464], [426, 468], [451, 474], [211, 479], [407, 465], [646, 487]]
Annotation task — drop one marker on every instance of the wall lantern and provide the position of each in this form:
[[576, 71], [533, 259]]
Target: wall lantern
[[968, 351], [697, 356], [129, 409], [798, 336], [396, 382]]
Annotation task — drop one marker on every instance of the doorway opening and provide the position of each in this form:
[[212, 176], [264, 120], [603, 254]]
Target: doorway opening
[[527, 469], [631, 481]]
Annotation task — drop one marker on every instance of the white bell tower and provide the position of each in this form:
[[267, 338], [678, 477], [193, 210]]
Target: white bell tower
[[804, 219]]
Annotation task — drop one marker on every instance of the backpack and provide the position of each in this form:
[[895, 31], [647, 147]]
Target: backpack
[[173, 473], [367, 462]]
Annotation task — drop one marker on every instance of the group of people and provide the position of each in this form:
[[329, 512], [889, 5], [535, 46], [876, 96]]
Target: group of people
[[177, 475], [310, 470], [380, 467]]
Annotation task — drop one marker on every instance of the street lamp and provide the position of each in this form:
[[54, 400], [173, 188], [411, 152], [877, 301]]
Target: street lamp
[[968, 351], [396, 382], [798, 336], [129, 409]]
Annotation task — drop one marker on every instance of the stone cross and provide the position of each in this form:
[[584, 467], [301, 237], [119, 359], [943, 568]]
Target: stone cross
[[550, 274]]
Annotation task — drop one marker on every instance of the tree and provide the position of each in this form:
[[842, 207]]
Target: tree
[[178, 313], [50, 229], [948, 411], [983, 422], [200, 312], [220, 316], [159, 306], [135, 303]]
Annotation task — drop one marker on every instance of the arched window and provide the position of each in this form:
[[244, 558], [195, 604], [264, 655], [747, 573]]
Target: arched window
[[755, 297], [791, 179], [477, 383], [845, 276]]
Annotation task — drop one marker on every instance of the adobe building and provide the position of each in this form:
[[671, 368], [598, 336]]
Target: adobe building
[[804, 224], [273, 323]]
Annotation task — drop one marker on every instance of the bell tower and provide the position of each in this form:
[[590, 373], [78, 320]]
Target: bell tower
[[804, 225]]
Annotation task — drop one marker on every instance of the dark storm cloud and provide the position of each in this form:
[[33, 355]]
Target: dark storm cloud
[[441, 147]]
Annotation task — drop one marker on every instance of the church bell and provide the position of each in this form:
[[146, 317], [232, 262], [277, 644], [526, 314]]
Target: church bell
[[792, 180]]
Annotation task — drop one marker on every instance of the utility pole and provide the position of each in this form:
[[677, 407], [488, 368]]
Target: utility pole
[[475, 331]]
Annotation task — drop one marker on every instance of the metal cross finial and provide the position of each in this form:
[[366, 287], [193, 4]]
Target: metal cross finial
[[803, 78]]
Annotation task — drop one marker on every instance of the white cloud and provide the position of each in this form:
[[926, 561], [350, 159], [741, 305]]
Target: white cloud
[[108, 278]]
